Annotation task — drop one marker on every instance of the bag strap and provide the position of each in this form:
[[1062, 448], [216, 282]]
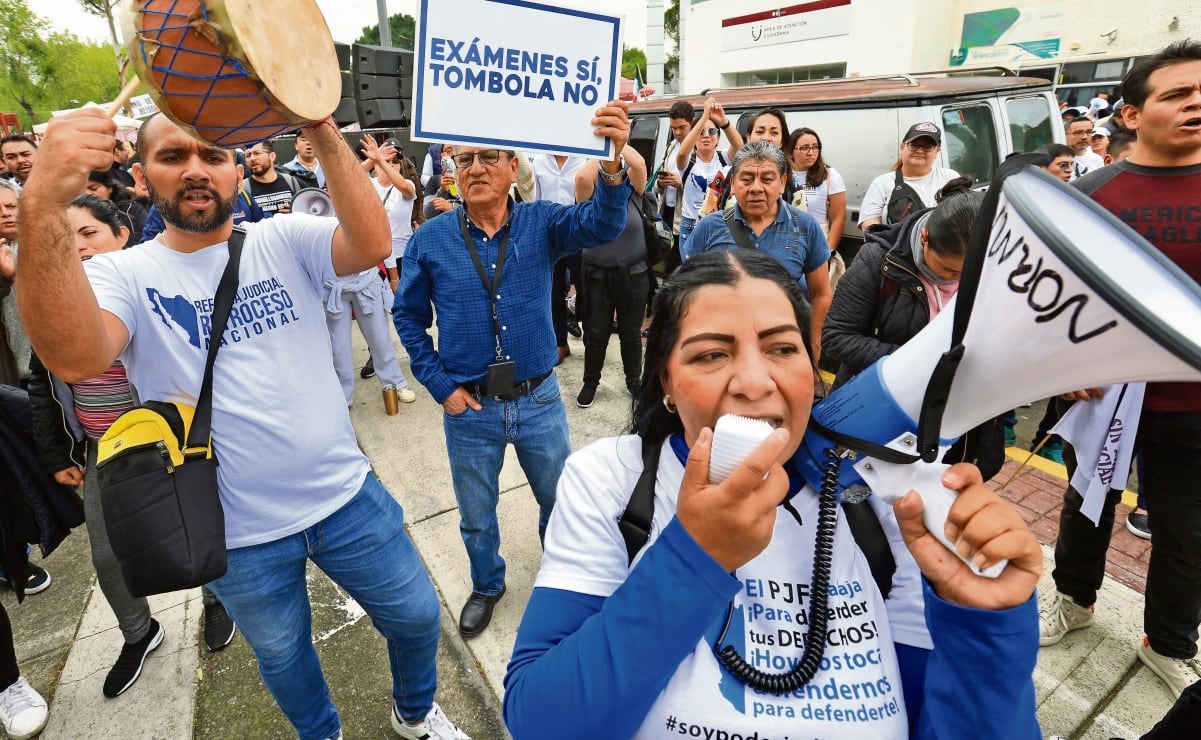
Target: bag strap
[[737, 230], [635, 521], [198, 435]]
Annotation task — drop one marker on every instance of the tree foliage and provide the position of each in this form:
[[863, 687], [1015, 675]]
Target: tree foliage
[[403, 28], [41, 71], [632, 57], [105, 9], [671, 28]]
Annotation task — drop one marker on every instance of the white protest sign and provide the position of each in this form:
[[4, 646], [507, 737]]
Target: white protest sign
[[514, 75]]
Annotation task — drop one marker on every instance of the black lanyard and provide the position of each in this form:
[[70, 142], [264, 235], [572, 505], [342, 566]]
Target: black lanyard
[[491, 286]]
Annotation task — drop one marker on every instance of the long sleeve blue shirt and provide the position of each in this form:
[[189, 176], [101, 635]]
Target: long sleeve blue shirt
[[438, 275]]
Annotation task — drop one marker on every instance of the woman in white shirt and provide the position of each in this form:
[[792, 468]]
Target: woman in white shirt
[[819, 188]]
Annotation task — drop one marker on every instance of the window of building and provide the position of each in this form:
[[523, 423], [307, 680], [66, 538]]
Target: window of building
[[971, 141], [1029, 123], [791, 74]]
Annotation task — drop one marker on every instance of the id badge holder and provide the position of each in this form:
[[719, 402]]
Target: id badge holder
[[500, 379]]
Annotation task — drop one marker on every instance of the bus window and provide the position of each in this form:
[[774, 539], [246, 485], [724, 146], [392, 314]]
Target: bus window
[[1029, 123], [971, 141]]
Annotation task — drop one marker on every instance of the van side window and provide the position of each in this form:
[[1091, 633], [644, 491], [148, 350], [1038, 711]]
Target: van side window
[[971, 141], [644, 137], [1029, 123]]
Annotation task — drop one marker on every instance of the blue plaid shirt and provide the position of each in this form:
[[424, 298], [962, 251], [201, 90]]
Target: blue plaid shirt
[[439, 275]]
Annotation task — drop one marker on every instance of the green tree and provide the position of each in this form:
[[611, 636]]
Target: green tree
[[41, 72], [671, 28], [27, 67], [632, 57], [403, 28]]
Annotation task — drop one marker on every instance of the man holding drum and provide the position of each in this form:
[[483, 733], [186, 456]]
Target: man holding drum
[[151, 307]]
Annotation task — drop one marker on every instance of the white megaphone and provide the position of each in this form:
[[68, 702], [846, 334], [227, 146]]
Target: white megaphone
[[1057, 295], [314, 201]]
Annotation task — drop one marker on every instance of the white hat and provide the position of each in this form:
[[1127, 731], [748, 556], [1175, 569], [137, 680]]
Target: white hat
[[1101, 131]]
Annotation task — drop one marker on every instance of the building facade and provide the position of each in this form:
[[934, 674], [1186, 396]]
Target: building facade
[[729, 43]]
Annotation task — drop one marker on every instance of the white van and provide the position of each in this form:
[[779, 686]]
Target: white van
[[861, 122]]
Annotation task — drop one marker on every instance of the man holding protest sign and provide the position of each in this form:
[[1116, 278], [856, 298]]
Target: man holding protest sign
[[493, 368]]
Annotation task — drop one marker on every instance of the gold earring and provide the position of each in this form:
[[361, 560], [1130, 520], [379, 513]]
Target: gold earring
[[667, 404]]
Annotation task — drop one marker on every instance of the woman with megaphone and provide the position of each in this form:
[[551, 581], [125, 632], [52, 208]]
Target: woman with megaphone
[[902, 278], [744, 607]]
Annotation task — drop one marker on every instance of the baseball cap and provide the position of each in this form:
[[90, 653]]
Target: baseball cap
[[926, 129], [1101, 131]]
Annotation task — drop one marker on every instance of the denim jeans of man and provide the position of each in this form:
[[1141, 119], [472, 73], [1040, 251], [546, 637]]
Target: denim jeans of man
[[363, 548], [1170, 444], [536, 426]]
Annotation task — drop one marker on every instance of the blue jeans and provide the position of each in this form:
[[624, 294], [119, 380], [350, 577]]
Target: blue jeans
[[536, 425], [686, 227], [363, 548]]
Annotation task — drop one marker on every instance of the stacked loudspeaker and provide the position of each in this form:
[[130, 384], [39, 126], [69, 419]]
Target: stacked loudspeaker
[[346, 113], [383, 82]]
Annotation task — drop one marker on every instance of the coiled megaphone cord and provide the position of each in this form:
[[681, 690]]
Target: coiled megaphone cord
[[815, 638]]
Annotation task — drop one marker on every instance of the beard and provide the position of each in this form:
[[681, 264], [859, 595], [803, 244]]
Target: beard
[[196, 223]]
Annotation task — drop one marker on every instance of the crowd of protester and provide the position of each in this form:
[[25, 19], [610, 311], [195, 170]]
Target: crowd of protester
[[729, 245]]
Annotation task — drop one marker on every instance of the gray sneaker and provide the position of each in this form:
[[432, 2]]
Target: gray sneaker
[[435, 726], [1061, 618], [1177, 673]]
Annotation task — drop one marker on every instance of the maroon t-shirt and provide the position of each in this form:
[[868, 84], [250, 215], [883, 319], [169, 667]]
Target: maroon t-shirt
[[1163, 204]]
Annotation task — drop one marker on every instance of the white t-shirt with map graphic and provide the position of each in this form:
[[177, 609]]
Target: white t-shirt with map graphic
[[856, 693], [281, 430]]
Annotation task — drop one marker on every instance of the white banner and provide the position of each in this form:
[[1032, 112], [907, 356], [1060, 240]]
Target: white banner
[[514, 75], [813, 20]]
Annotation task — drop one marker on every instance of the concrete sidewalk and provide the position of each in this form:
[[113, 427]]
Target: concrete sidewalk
[[1089, 686]]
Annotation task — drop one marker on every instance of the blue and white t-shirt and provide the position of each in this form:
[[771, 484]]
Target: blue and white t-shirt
[[281, 430], [856, 693]]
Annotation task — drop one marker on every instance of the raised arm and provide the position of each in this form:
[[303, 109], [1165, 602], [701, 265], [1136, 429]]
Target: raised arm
[[718, 115], [379, 158], [74, 338], [364, 237], [689, 142]]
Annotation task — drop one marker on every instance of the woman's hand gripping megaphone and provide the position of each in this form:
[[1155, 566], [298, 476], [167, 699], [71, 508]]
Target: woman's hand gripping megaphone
[[982, 530]]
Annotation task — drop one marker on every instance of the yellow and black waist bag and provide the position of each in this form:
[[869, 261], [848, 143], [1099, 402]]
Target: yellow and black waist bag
[[158, 478]]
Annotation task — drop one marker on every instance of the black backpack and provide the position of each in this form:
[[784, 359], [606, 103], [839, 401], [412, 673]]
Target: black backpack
[[903, 201]]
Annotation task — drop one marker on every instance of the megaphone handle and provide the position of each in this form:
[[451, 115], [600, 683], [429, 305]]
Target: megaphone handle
[[936, 506]]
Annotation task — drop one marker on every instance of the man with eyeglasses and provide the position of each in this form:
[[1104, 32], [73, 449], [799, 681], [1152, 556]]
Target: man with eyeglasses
[[1079, 133], [485, 271], [910, 187], [19, 153]]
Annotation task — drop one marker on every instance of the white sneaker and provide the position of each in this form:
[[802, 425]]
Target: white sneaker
[[435, 726], [1064, 616], [22, 710], [1177, 673], [406, 395]]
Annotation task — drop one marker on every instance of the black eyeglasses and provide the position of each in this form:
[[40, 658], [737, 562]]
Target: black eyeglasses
[[919, 147], [808, 148], [486, 156]]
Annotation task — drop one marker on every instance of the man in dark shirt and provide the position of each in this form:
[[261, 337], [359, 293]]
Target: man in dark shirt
[[271, 189], [1157, 192], [485, 270]]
